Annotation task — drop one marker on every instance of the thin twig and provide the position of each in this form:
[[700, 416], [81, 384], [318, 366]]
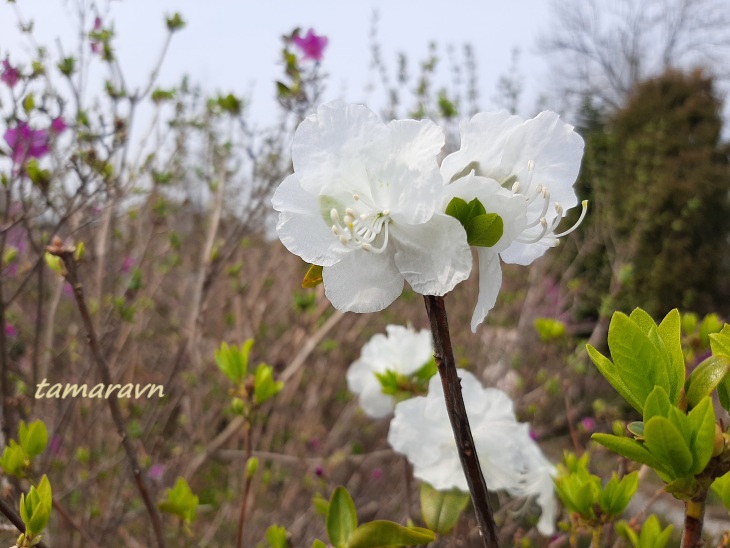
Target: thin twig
[[66, 254], [444, 355]]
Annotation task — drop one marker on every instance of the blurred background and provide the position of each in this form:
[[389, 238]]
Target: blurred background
[[159, 132]]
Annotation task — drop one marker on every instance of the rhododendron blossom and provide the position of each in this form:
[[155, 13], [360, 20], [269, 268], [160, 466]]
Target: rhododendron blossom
[[402, 351], [522, 170], [26, 143], [509, 458], [363, 204], [10, 74], [312, 45]]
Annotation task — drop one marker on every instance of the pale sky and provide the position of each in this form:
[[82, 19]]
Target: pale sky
[[233, 45]]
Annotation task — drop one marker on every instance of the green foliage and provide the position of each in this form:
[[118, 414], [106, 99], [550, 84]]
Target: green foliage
[[180, 501], [175, 22], [265, 387], [313, 277], [549, 329], [17, 458], [233, 361], [651, 536], [441, 510], [586, 499], [35, 511], [402, 387], [277, 537], [343, 530], [482, 229], [644, 356]]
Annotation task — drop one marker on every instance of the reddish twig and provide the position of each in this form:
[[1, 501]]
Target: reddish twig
[[444, 355], [66, 254]]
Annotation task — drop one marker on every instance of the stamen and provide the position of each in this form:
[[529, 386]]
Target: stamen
[[584, 204]]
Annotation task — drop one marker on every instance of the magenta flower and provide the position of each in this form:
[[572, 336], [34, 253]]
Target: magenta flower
[[312, 45], [10, 330], [376, 474], [588, 424], [155, 472], [10, 75], [58, 125], [127, 264], [26, 143], [95, 41]]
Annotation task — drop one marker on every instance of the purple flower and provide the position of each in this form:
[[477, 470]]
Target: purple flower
[[588, 424], [156, 472], [127, 264], [26, 143], [10, 75], [312, 45], [94, 35], [10, 330], [319, 471], [58, 125], [376, 474]]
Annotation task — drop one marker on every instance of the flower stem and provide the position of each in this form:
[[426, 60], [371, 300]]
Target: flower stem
[[444, 355], [694, 517]]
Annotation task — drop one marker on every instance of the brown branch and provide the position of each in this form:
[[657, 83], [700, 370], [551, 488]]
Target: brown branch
[[694, 517], [66, 254], [444, 355]]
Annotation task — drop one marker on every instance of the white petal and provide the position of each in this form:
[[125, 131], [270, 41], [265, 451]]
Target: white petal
[[362, 282], [409, 180], [333, 149], [301, 226], [482, 143], [372, 400], [409, 351], [490, 280], [555, 151], [434, 256], [523, 254]]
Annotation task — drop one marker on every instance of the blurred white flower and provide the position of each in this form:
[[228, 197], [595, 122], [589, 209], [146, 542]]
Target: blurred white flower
[[509, 458], [402, 351], [362, 203], [524, 171]]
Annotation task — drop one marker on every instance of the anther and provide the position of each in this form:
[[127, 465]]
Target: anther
[[334, 215]]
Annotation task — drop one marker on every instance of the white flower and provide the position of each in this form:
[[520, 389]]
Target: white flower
[[522, 170], [402, 351], [362, 203], [509, 458]]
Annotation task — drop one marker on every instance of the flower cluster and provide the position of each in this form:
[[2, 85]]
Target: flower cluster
[[26, 143], [510, 459], [420, 429], [370, 204], [10, 74]]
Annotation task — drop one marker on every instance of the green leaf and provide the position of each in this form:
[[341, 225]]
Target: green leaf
[[341, 518], [264, 385], [667, 445], [318, 544], [175, 22], [706, 377], [381, 533], [631, 449], [321, 504], [657, 404], [720, 342], [613, 376], [636, 428], [484, 230], [440, 510], [723, 393], [180, 501], [13, 462], [276, 537], [617, 493], [33, 438], [465, 212], [670, 332], [233, 362], [702, 425]]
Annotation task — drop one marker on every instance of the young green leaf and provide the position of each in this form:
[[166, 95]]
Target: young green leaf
[[180, 501], [313, 277], [484, 230], [667, 445], [702, 426], [341, 518], [440, 510], [381, 533], [33, 437], [277, 537], [631, 449], [706, 377]]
